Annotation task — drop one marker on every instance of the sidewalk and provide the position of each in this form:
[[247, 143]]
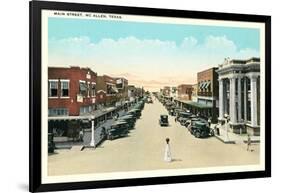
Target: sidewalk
[[232, 138]]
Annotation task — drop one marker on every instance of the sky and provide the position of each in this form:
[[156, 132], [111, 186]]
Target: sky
[[152, 55]]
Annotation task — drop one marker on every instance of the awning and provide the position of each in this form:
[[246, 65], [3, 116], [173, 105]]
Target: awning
[[207, 84], [202, 84], [198, 105]]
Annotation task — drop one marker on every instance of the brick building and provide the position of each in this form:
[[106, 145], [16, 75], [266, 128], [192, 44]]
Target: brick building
[[185, 91], [166, 91], [207, 94], [71, 91], [106, 86], [122, 87], [201, 98]]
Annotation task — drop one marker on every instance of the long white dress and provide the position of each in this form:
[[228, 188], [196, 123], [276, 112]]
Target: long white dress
[[167, 155]]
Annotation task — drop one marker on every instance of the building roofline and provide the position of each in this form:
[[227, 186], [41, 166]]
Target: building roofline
[[73, 67]]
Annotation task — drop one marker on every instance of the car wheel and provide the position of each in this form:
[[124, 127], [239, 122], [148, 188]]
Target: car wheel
[[197, 134]]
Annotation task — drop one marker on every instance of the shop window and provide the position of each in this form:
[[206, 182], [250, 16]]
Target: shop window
[[58, 112]]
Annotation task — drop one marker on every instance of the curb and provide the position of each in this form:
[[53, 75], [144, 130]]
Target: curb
[[233, 142], [226, 142]]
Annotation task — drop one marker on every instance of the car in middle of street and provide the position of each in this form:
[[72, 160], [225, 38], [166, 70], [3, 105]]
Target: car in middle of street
[[163, 121]]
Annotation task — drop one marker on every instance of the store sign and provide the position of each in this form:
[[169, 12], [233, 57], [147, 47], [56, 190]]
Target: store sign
[[79, 98], [88, 76]]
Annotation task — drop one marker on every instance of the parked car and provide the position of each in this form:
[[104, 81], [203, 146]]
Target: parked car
[[171, 112], [189, 123], [135, 112], [118, 129], [200, 129], [182, 117], [51, 144], [190, 119], [149, 100], [163, 121], [129, 119]]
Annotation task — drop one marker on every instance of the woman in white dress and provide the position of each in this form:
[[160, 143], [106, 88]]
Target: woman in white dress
[[167, 156]]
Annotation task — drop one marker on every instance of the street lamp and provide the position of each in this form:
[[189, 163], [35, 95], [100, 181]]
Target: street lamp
[[92, 144]]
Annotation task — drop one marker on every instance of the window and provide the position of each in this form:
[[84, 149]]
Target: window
[[83, 88], [93, 89], [86, 109], [109, 89], [58, 112], [53, 88], [119, 83], [88, 89], [64, 88]]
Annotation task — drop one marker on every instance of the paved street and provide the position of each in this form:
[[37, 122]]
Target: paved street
[[143, 149]]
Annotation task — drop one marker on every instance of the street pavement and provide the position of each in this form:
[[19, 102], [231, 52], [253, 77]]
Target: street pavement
[[144, 149]]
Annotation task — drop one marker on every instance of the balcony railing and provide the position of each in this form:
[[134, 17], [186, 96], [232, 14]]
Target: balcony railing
[[205, 94]]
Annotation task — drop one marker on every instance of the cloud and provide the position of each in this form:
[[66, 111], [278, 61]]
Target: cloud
[[146, 60], [189, 42]]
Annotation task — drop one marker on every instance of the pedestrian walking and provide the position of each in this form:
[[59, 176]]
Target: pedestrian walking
[[175, 119], [167, 155], [249, 142]]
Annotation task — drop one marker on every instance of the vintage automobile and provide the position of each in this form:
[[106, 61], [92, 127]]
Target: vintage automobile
[[171, 112], [118, 129], [129, 119], [51, 144], [201, 129], [149, 100], [190, 119], [163, 121], [135, 112], [190, 122], [182, 117]]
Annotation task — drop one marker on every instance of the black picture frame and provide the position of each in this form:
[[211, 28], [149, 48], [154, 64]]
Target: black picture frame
[[35, 183]]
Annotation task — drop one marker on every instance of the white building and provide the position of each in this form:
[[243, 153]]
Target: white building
[[239, 94]]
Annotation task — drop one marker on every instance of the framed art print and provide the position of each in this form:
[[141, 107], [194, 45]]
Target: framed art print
[[126, 96]]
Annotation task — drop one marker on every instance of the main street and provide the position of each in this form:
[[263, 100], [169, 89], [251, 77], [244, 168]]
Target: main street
[[144, 148]]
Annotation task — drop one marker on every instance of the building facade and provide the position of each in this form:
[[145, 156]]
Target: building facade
[[107, 86], [204, 95], [194, 93], [71, 91], [166, 91], [134, 93], [207, 93], [122, 87], [185, 92], [239, 94]]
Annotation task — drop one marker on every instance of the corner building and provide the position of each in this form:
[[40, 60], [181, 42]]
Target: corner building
[[239, 94]]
